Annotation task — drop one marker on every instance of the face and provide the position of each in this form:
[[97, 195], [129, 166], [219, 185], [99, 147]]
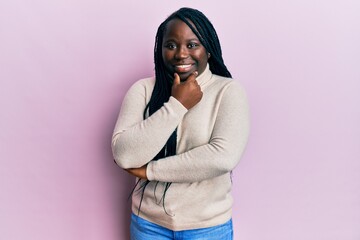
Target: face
[[182, 52]]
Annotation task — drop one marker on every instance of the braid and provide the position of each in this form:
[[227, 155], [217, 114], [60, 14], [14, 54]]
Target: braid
[[205, 31], [207, 35]]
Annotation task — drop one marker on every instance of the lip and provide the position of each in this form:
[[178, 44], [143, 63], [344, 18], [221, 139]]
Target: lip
[[182, 68]]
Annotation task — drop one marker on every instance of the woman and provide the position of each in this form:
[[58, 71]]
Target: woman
[[181, 134]]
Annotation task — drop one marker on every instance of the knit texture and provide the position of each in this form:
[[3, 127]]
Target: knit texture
[[211, 138]]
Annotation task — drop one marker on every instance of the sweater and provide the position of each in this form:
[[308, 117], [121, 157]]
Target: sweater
[[211, 137]]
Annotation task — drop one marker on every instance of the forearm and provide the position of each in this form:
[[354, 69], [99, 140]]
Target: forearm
[[201, 163], [138, 172], [136, 145]]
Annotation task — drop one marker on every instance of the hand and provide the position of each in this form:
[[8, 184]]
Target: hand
[[188, 93], [138, 172]]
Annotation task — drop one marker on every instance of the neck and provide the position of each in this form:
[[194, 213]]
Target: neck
[[204, 76]]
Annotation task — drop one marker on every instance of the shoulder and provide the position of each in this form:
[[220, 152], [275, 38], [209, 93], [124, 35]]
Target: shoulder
[[141, 88], [229, 85], [143, 85], [233, 94]]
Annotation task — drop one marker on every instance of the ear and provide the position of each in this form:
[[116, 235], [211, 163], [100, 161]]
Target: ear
[[209, 55]]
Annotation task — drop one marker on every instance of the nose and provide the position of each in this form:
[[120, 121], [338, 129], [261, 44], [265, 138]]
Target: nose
[[181, 53]]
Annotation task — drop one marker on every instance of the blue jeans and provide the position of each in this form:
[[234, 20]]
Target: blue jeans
[[141, 229]]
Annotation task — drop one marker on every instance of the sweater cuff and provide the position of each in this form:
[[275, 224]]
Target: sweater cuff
[[177, 106], [149, 172]]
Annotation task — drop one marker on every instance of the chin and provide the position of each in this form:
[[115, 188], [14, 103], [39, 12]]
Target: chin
[[184, 76]]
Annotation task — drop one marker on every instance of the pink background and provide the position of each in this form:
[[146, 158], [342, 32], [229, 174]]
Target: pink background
[[64, 69]]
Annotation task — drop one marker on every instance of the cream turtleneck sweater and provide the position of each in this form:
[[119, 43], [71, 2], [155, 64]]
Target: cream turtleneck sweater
[[211, 138]]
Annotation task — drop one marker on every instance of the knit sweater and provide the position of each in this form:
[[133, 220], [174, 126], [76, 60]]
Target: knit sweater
[[211, 138]]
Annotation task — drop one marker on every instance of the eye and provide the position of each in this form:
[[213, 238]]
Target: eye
[[192, 45], [170, 45]]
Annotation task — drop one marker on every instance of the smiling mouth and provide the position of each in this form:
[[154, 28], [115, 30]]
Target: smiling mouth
[[183, 68]]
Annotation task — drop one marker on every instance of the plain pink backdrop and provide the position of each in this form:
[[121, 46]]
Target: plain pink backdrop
[[66, 65]]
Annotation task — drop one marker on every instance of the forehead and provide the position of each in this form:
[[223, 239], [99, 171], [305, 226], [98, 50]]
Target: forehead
[[176, 28]]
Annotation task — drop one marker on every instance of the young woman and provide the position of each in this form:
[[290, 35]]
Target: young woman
[[181, 134]]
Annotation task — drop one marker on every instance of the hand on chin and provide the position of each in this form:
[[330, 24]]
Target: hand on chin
[[184, 75]]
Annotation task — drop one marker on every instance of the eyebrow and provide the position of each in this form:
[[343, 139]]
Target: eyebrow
[[189, 40]]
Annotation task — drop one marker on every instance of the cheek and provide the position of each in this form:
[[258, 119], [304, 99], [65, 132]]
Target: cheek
[[202, 55], [166, 55], [203, 59], [166, 59]]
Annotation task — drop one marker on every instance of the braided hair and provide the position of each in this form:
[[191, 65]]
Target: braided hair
[[205, 32]]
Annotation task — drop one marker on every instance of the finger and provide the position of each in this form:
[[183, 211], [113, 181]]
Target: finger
[[176, 79], [192, 77]]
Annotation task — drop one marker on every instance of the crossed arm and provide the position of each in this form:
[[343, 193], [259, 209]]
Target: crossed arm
[[137, 141]]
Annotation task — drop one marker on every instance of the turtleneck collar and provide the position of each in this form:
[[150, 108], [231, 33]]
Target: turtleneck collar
[[205, 76]]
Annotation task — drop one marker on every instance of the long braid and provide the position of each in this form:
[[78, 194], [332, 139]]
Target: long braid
[[205, 31]]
